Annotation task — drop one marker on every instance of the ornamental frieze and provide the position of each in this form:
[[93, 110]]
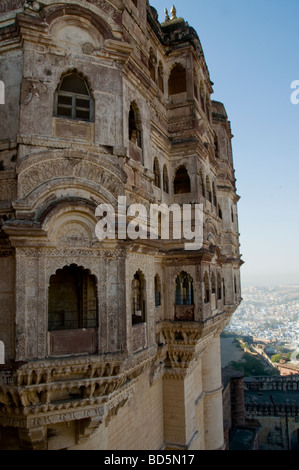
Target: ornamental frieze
[[67, 168]]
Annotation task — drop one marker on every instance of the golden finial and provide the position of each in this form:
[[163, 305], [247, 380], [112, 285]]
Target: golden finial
[[173, 12]]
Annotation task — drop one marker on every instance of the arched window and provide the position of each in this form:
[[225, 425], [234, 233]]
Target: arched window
[[2, 353], [157, 291], [182, 181], [73, 99], [165, 180], [138, 298], [72, 299], [135, 125], [184, 289], [206, 288], [157, 176], [177, 82]]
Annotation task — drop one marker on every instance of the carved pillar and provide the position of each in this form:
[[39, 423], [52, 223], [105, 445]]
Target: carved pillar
[[212, 388], [112, 298]]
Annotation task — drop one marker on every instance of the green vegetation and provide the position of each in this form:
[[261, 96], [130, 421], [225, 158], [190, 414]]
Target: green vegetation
[[276, 358], [252, 366]]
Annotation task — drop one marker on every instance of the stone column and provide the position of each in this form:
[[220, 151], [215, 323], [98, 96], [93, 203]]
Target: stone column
[[212, 388], [174, 413]]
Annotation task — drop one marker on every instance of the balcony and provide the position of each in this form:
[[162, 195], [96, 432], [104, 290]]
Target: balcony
[[135, 152], [63, 342], [184, 313]]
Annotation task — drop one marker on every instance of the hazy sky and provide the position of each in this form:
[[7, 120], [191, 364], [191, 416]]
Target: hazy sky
[[252, 52]]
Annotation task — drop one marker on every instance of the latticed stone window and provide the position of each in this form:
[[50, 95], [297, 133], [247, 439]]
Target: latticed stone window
[[184, 289], [73, 99]]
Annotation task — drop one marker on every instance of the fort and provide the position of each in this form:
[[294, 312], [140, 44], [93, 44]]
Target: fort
[[113, 344]]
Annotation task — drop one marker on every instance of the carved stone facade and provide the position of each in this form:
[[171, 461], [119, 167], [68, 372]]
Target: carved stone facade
[[110, 344]]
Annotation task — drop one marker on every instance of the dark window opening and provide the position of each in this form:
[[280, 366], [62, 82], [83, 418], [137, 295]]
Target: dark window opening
[[72, 299], [177, 82], [73, 99], [134, 126], [182, 181], [138, 298]]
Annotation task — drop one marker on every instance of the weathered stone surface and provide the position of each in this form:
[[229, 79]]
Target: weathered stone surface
[[96, 92]]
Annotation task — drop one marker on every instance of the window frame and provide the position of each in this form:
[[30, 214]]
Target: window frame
[[73, 106]]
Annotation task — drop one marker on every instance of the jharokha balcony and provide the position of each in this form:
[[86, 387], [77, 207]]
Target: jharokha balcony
[[184, 312]]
